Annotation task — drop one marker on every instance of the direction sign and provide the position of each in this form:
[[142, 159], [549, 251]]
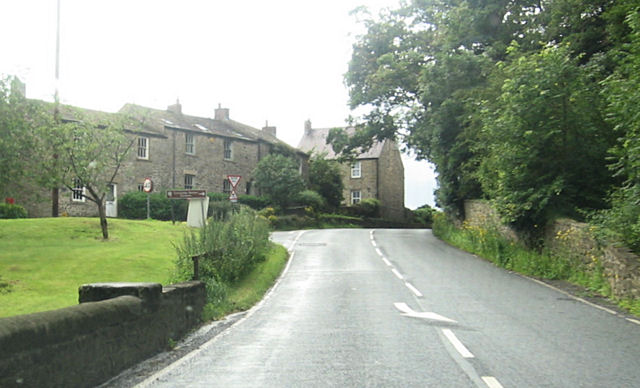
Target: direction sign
[[186, 194]]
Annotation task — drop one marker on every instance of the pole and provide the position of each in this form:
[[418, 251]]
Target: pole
[[148, 206], [55, 192]]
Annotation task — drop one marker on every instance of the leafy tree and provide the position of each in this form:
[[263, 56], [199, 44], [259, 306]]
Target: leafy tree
[[20, 124], [91, 153], [325, 177], [544, 142], [278, 177]]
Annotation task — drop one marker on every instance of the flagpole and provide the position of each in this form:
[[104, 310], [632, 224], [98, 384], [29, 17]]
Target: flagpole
[[55, 192]]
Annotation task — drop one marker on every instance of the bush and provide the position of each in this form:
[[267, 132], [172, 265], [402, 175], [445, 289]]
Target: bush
[[133, 205], [423, 215], [256, 203], [10, 211], [310, 198], [368, 207], [228, 248]]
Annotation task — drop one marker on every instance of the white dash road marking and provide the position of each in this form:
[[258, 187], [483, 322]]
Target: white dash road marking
[[373, 242], [398, 275], [491, 382], [415, 291], [387, 262], [379, 252], [464, 352]]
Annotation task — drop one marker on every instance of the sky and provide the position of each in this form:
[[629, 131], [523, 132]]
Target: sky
[[276, 61]]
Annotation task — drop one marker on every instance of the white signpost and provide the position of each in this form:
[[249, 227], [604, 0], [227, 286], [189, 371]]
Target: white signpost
[[147, 187], [234, 180], [198, 205]]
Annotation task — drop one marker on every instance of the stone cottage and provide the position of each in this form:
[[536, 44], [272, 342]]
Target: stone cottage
[[376, 173], [180, 151]]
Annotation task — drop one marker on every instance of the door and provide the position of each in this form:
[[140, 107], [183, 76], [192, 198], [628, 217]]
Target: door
[[111, 202]]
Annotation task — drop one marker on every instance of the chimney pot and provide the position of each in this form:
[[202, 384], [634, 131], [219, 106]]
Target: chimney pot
[[175, 108]]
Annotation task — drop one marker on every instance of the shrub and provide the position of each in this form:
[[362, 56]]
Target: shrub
[[133, 205], [228, 248], [9, 210], [218, 197], [310, 198], [423, 215], [368, 207], [256, 203]]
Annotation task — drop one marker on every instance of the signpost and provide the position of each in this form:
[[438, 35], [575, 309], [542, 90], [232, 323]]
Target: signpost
[[147, 187], [234, 180], [195, 197]]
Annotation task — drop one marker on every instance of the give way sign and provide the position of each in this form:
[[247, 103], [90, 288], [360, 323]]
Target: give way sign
[[234, 180]]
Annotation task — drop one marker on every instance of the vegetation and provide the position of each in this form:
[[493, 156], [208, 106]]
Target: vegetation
[[44, 261], [491, 245], [531, 105], [9, 210], [278, 178], [325, 178]]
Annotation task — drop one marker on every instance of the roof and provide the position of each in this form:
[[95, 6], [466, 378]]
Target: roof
[[314, 140], [157, 120]]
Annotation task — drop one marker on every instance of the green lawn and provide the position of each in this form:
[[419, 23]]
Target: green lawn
[[44, 261]]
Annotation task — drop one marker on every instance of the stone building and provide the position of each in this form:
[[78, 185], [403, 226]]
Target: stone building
[[376, 173], [180, 151]]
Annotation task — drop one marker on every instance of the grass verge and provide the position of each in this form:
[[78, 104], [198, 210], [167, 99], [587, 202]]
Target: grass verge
[[515, 257], [43, 261], [246, 292]]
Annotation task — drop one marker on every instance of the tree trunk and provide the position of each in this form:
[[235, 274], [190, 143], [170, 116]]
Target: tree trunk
[[103, 220]]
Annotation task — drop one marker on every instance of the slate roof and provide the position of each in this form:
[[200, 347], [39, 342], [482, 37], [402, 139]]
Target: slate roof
[[157, 120], [314, 140]]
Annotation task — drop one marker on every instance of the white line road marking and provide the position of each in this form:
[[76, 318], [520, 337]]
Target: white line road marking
[[379, 252], [573, 296], [491, 382], [373, 242], [637, 322], [415, 291], [408, 311], [387, 262], [464, 352], [398, 275]]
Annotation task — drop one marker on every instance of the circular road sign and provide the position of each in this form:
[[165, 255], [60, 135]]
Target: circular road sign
[[147, 185]]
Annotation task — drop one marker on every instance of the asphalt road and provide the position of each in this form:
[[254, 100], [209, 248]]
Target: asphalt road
[[399, 308]]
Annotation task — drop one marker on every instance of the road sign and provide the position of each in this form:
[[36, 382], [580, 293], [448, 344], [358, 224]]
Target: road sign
[[186, 194], [234, 180], [147, 185]]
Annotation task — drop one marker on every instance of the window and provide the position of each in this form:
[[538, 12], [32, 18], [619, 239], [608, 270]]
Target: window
[[355, 197], [226, 186], [227, 149], [77, 193], [356, 170], [189, 181], [190, 144], [140, 187], [143, 148]]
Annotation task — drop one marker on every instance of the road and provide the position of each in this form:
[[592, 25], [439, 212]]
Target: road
[[399, 308]]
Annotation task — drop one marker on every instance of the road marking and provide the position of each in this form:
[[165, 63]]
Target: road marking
[[398, 275], [415, 291], [637, 322], [491, 382], [379, 252], [387, 262], [408, 311], [464, 352], [373, 242], [573, 296]]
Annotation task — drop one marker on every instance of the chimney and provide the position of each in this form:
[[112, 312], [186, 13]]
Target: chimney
[[270, 130], [307, 127], [175, 108], [222, 113]]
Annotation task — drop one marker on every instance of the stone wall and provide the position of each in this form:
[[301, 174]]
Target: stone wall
[[115, 326], [573, 240]]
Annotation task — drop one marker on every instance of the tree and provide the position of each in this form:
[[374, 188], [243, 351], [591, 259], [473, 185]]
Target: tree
[[544, 141], [278, 177], [91, 152], [325, 178], [20, 124]]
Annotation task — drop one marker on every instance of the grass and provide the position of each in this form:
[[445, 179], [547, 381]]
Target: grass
[[490, 245], [43, 261], [246, 292]]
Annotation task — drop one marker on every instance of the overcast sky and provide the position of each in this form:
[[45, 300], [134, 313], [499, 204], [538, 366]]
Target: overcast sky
[[280, 61]]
